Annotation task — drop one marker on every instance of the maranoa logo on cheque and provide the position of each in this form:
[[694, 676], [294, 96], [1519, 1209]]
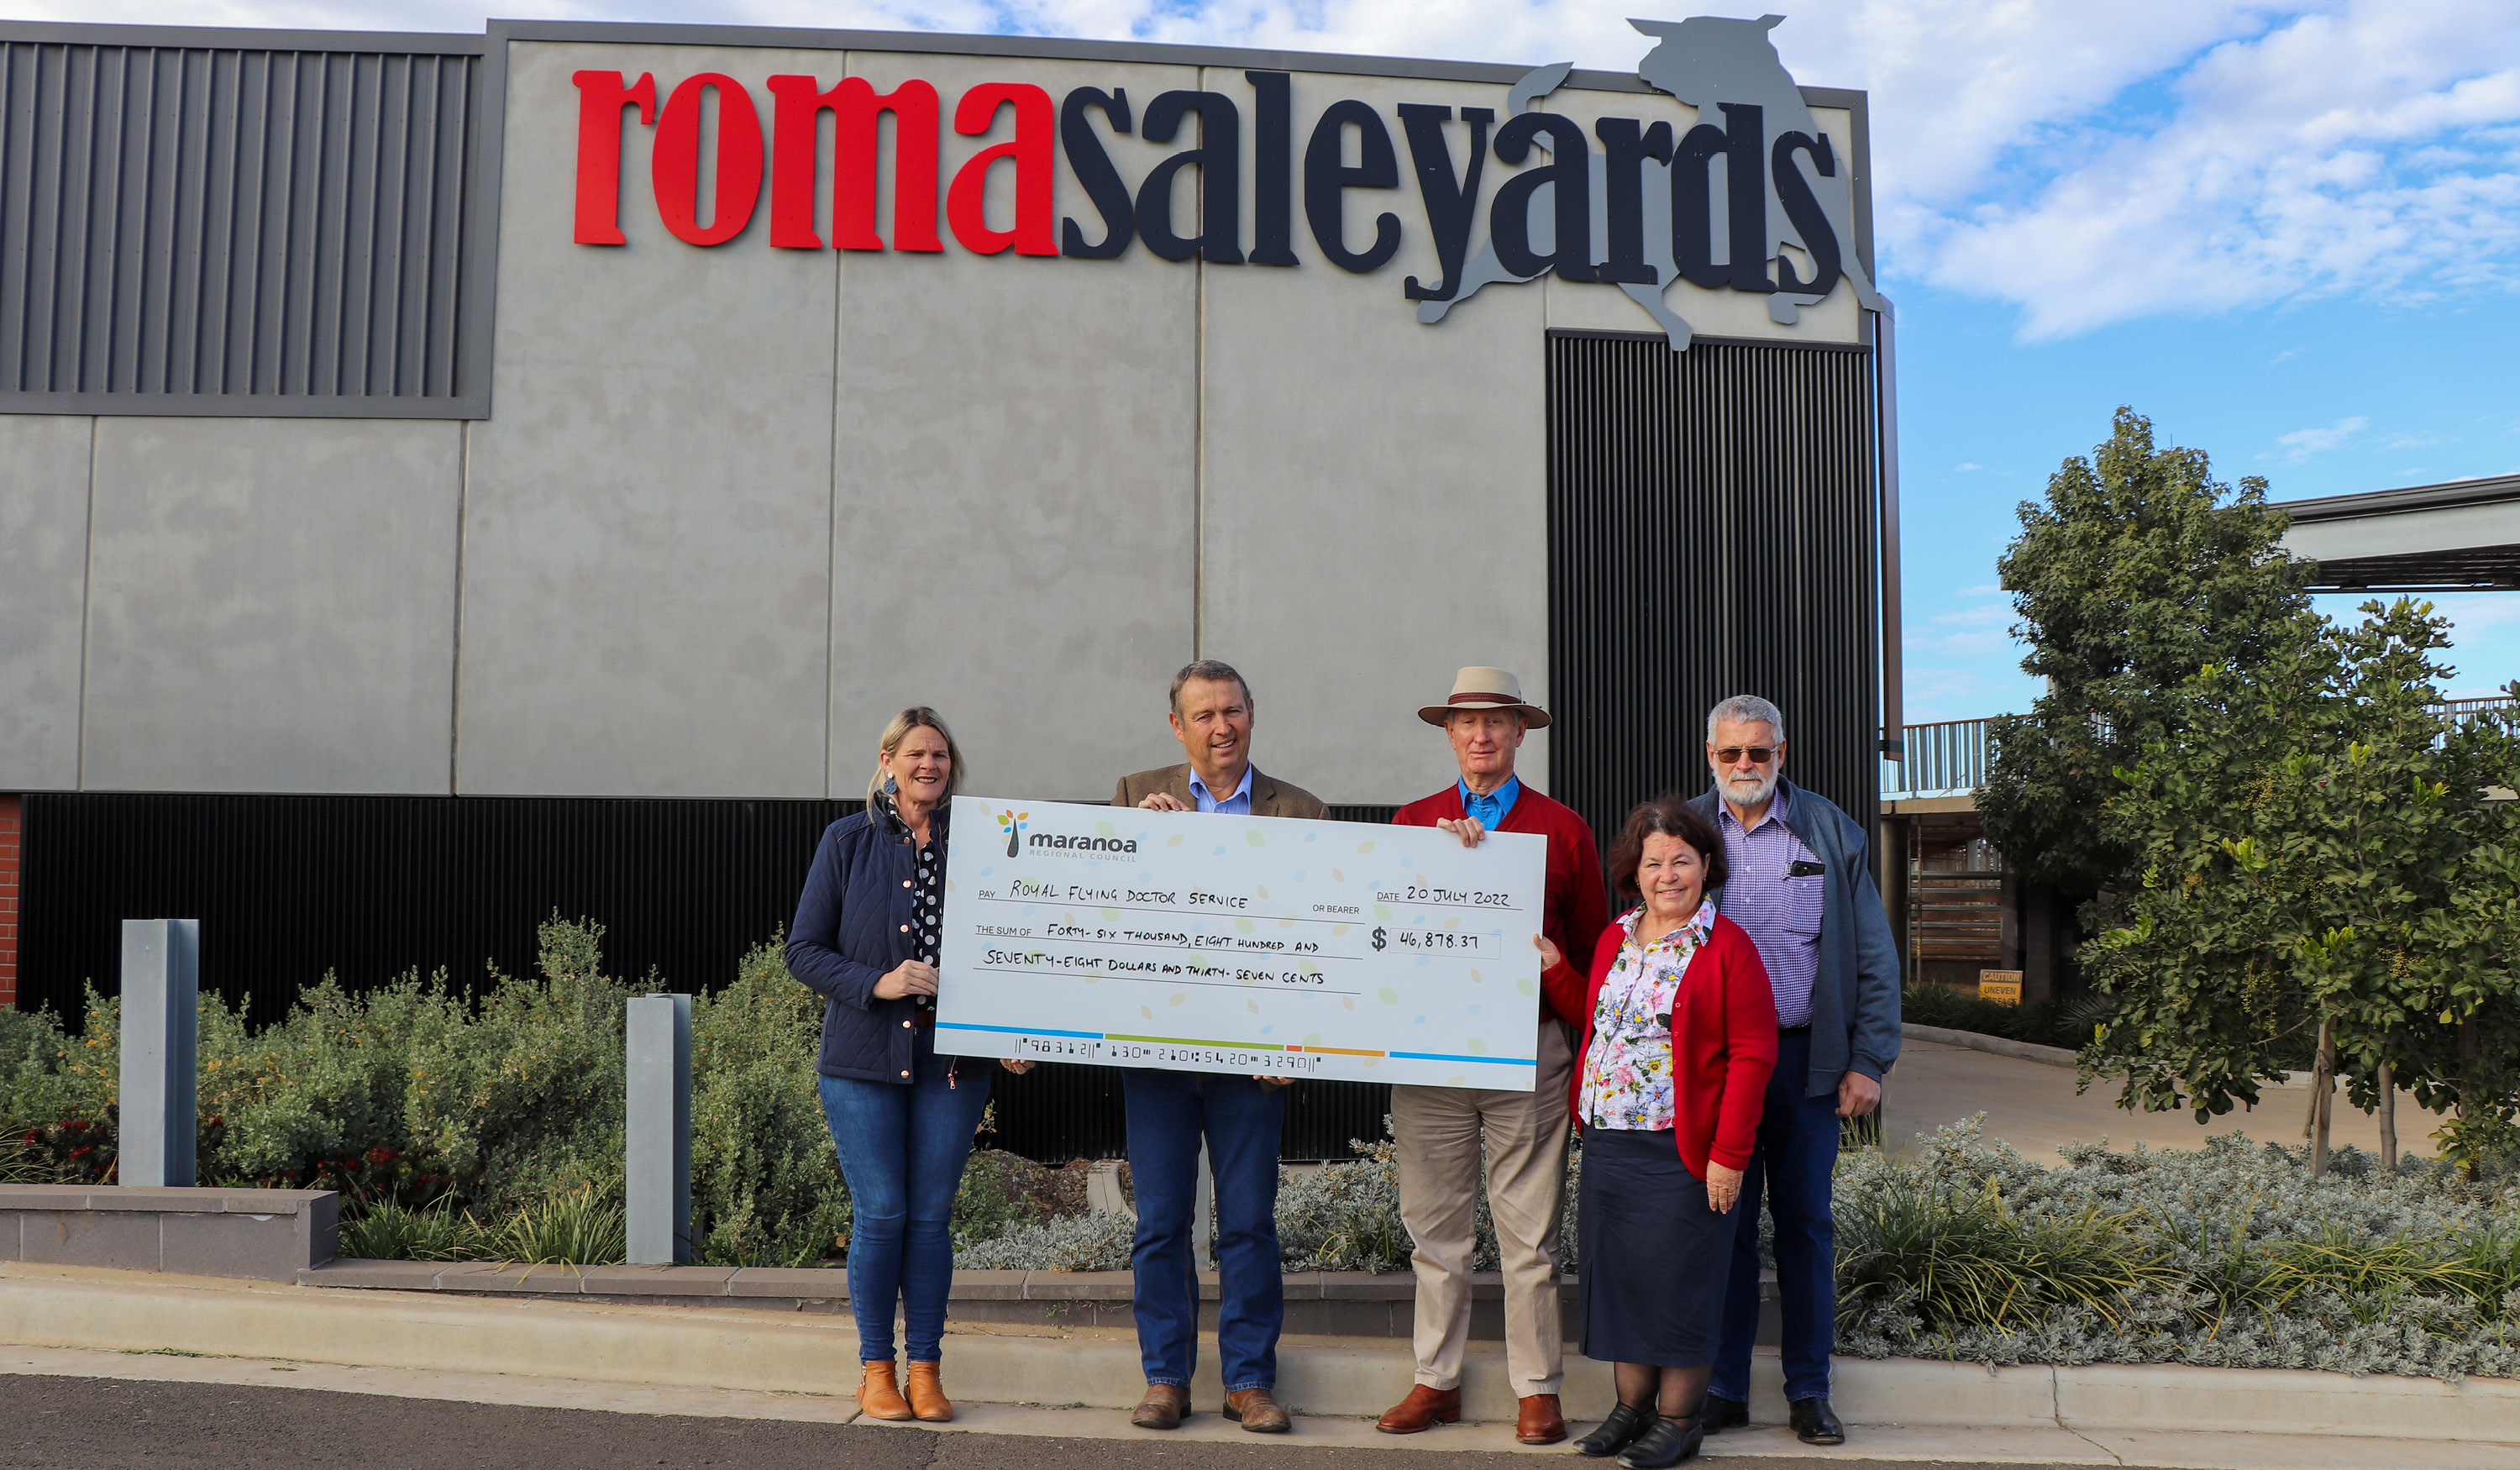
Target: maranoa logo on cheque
[[1016, 824], [1754, 197]]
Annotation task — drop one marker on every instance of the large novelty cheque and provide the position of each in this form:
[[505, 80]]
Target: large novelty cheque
[[1254, 944]]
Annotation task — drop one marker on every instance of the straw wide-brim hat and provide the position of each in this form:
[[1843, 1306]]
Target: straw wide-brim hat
[[1485, 688]]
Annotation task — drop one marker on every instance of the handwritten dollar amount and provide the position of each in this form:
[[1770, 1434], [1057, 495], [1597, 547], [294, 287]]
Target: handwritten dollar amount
[[1432, 940]]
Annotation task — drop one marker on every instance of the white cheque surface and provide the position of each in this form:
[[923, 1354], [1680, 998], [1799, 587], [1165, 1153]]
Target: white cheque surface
[[1257, 945]]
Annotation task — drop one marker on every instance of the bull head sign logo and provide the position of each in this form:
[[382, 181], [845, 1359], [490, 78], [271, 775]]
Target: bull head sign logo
[[1644, 212]]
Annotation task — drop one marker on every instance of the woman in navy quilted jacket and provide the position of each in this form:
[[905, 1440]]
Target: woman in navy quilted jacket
[[865, 939]]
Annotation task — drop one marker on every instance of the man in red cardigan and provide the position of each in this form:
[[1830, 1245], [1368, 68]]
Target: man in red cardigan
[[1439, 1130]]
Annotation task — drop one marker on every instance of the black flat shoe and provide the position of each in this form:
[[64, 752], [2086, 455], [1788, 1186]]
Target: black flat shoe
[[1615, 1433], [1667, 1443], [1813, 1424], [1720, 1413]]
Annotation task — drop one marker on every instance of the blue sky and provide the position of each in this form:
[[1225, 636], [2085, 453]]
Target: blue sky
[[2289, 233], [2323, 398]]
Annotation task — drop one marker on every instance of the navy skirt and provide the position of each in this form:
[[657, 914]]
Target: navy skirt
[[1652, 1256]]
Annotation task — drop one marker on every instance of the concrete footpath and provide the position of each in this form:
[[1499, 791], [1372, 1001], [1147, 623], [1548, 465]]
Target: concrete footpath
[[1073, 1383], [2032, 1105]]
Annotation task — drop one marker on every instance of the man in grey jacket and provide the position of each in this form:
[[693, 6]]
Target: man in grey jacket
[[1801, 884]]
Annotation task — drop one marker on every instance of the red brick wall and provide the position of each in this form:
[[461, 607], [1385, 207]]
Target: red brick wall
[[11, 825]]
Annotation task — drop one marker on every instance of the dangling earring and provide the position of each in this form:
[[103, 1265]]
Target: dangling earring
[[891, 788]]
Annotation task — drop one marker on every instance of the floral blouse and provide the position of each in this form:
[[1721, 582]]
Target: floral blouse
[[1627, 1069]]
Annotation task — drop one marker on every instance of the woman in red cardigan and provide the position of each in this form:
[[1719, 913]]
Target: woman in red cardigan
[[1679, 1034]]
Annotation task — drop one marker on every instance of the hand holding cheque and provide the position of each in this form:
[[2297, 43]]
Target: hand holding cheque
[[1253, 945]]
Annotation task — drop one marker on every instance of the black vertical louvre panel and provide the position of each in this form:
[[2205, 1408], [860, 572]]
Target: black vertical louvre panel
[[1712, 525], [368, 888], [187, 229]]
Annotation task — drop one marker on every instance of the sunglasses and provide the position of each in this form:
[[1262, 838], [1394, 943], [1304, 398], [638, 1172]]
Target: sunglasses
[[1759, 755]]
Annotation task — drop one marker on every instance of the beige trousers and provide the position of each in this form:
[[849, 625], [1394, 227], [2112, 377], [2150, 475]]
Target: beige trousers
[[1439, 1132]]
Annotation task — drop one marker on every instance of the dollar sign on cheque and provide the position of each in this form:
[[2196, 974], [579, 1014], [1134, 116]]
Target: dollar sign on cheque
[[1378, 938]]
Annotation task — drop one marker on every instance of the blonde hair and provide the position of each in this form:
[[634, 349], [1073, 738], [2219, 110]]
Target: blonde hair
[[897, 729]]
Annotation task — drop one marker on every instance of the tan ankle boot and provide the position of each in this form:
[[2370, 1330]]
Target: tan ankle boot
[[927, 1393], [880, 1393]]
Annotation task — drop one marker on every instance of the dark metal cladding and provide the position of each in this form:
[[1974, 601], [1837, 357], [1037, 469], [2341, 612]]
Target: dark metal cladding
[[1712, 525], [191, 230], [367, 888]]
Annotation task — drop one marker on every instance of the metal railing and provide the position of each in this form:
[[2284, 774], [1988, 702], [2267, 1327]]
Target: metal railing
[[1944, 758], [1950, 757]]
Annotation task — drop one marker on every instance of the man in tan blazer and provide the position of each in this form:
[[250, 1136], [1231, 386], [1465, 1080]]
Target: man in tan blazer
[[1212, 718], [1241, 1118]]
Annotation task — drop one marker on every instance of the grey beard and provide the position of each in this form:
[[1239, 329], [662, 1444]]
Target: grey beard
[[1732, 797]]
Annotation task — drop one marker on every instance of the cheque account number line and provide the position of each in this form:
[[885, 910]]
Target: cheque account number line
[[1301, 990]]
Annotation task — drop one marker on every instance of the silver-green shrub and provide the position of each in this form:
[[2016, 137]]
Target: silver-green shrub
[[1095, 1241], [2230, 1257]]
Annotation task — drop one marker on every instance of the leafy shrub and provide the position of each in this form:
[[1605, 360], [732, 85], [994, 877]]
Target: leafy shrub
[[1346, 1216], [1004, 1191], [410, 1093], [1095, 1241], [766, 1186], [2227, 1256], [2068, 1023]]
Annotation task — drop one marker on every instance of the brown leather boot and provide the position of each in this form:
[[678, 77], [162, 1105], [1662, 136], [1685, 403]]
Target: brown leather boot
[[1422, 1410], [1539, 1421], [1163, 1407], [928, 1393], [880, 1393], [1257, 1411]]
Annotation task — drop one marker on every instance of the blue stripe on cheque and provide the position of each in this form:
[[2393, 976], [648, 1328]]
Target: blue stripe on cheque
[[1090, 1036], [1499, 1062]]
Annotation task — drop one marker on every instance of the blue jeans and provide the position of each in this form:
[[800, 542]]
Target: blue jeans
[[1168, 1111], [902, 1150], [1795, 1157]]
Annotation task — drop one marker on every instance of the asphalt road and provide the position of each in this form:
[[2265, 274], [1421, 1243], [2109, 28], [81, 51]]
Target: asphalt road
[[99, 1422]]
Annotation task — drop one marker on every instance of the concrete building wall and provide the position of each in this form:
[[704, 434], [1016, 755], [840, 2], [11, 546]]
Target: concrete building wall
[[271, 605], [1016, 534], [43, 597], [735, 504]]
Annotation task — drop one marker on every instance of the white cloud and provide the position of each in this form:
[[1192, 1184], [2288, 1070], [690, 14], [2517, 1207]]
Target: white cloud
[[2358, 147], [1964, 468], [2302, 443], [2089, 163], [1963, 633]]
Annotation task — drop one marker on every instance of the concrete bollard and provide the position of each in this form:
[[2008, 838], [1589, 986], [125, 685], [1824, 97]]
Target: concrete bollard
[[660, 1130], [160, 1088]]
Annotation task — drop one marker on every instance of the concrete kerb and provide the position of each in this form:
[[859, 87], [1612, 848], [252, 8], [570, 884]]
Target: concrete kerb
[[1357, 1378], [1993, 1045]]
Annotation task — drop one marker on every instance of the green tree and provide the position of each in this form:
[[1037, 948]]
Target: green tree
[[2324, 877], [2137, 570]]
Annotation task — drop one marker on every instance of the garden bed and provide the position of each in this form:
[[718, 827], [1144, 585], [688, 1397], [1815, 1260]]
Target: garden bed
[[457, 1130]]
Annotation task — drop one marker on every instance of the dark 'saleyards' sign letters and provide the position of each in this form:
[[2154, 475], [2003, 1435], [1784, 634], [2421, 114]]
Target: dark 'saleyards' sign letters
[[1755, 197]]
